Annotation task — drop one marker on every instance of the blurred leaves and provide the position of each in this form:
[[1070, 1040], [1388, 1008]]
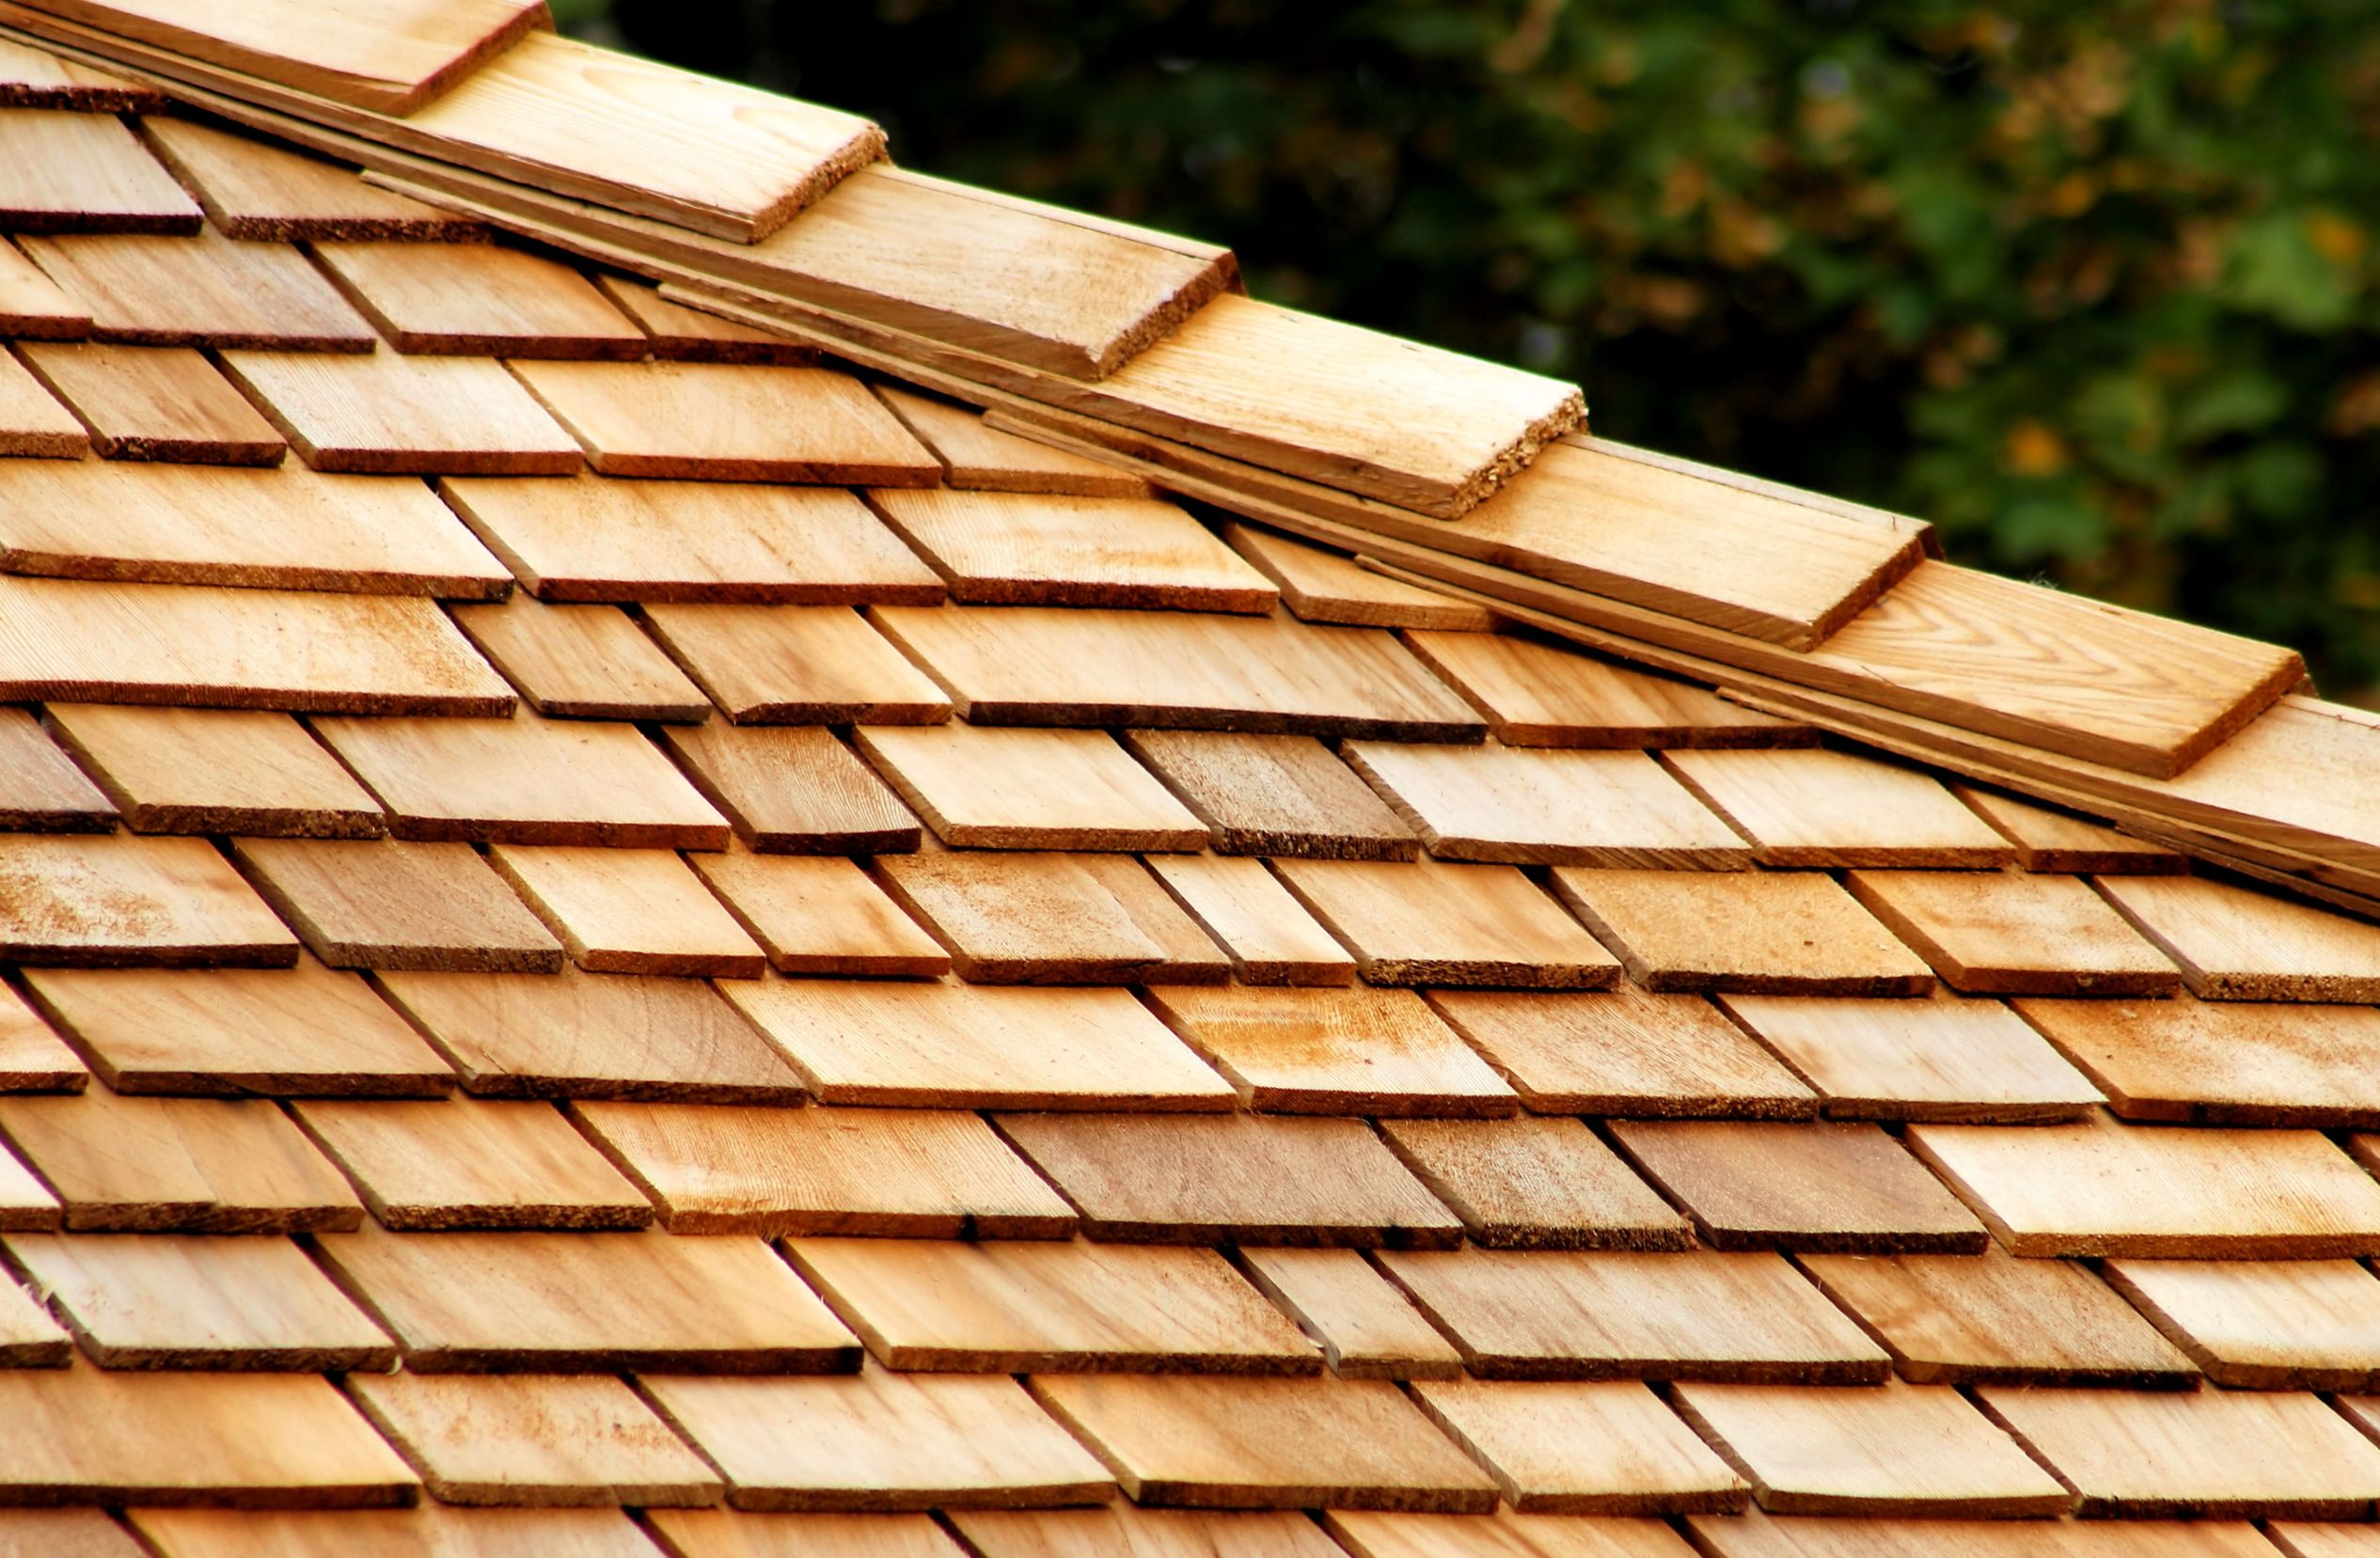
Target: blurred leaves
[[2094, 288]]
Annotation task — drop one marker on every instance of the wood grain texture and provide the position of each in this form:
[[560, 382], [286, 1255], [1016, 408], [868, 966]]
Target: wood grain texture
[[260, 191], [214, 771], [1628, 1052], [733, 1533], [533, 1440], [729, 422], [33, 1058], [1503, 1535], [675, 333], [1030, 919], [1013, 1307], [1995, 1319], [1531, 806], [1324, 586], [33, 308], [601, 539], [1901, 1450], [820, 915], [2263, 1324], [1426, 922], [152, 403], [797, 665], [403, 416], [71, 1532], [198, 1301], [792, 790], [881, 1441], [1192, 957], [75, 640], [470, 1163], [984, 459], [1944, 1058], [2222, 1063], [525, 781], [2050, 841], [1753, 933], [123, 1164], [203, 291], [943, 1046], [1273, 794], [1016, 789], [389, 1532], [1582, 1447], [1536, 1183], [2105, 1188], [629, 911], [1824, 1186], [69, 172], [1244, 1179], [2001, 933], [42, 791], [1124, 1528], [384, 904], [26, 1202], [85, 1435], [274, 529], [573, 1035], [113, 900], [1266, 1443], [2233, 943], [472, 1303], [478, 300], [2320, 1539], [1333, 1051], [581, 662], [34, 424], [1048, 666], [1367, 1328], [1245, 909], [911, 1174], [1537, 694], [1834, 809], [1045, 549], [2209, 1454], [306, 1031], [36, 78]]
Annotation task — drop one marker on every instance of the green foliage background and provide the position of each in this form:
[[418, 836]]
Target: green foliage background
[[2094, 287]]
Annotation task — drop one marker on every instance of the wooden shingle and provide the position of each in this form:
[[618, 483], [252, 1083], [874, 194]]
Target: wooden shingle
[[1243, 907], [1038, 917], [2234, 944], [793, 789], [581, 662], [36, 78], [478, 300], [736, 1534], [389, 903], [258, 189], [2263, 1324], [676, 333], [985, 459], [1536, 694], [1526, 806], [1333, 1051], [114, 900], [471, 1163], [542, 1440], [2003, 933], [42, 791], [154, 403], [797, 665], [820, 915], [1323, 587], [1367, 1328], [1755, 932], [1037, 549], [2222, 1063], [84, 172], [1006, 789], [1581, 1447], [33, 1058], [2050, 841], [1830, 808], [33, 308], [629, 911], [1944, 1058], [397, 414], [1143, 1533], [29, 1339], [123, 1164], [1428, 922], [203, 291], [437, 1528], [1505, 1534], [1626, 1051], [1274, 795], [34, 423], [1818, 1186], [1536, 1183]]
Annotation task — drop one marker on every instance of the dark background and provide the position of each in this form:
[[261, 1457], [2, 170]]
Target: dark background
[[2094, 287]]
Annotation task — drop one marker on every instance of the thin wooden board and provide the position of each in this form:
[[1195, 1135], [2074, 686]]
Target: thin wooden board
[[1995, 1319], [247, 771], [1333, 1051], [1522, 806], [1143, 1533], [733, 1533], [581, 662], [1504, 1535], [238, 1032], [730, 422], [203, 291], [123, 1164], [1366, 1328], [391, 1533], [2233, 943], [2263, 1324], [1426, 922], [525, 781], [1628, 1052], [1266, 1443], [629, 911], [2105, 1188], [26, 1204], [1946, 1059], [820, 915], [675, 333], [1753, 933], [880, 1442], [984, 459], [573, 1035], [797, 665], [2222, 1063], [1023, 918], [478, 300], [1041, 549], [1835, 808], [42, 791], [403, 416], [1901, 1450], [471, 1163], [278, 530], [2002, 932], [34, 425], [33, 1058], [906, 1173], [943, 1046], [1246, 911], [597, 538], [108, 1435], [152, 403], [1049, 666], [76, 641], [1192, 955], [1536, 694], [1273, 794], [69, 172], [2050, 841], [1826, 1186], [1536, 1183], [261, 191], [32, 307], [470, 1303], [198, 1301], [1582, 1447], [71, 1532], [1244, 1179], [2209, 1454], [386, 903], [542, 1439], [36, 78], [792, 790], [1018, 789], [1011, 1307], [1324, 586], [113, 900], [2321, 1539]]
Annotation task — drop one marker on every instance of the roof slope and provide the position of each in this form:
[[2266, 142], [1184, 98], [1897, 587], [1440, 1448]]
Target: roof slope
[[624, 938]]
